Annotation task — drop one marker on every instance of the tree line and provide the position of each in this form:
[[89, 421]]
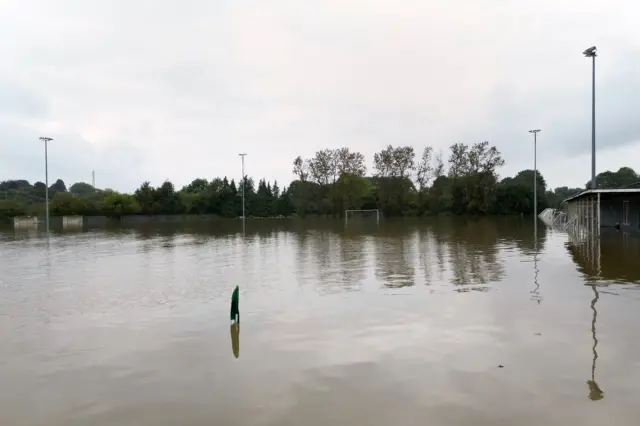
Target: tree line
[[330, 182]]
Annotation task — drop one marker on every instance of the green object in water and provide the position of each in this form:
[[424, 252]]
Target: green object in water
[[235, 302], [235, 339]]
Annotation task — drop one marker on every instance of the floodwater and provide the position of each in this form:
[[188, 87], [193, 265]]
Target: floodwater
[[439, 321]]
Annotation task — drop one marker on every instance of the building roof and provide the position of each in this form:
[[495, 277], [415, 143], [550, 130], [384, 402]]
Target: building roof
[[603, 191]]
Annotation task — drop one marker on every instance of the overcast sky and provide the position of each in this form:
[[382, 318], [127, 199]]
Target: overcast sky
[[153, 90]]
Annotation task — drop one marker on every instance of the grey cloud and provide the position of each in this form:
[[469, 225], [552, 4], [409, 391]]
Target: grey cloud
[[160, 89], [18, 102], [564, 115], [70, 158]]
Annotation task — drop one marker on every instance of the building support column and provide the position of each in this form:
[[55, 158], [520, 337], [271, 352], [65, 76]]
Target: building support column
[[598, 215], [593, 209], [581, 208]]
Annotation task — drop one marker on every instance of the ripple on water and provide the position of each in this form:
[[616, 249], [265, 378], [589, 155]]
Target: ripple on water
[[396, 323]]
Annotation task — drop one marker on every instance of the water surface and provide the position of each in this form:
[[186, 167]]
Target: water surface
[[439, 321]]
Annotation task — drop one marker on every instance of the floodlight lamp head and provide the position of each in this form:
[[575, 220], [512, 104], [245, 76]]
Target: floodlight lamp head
[[590, 52]]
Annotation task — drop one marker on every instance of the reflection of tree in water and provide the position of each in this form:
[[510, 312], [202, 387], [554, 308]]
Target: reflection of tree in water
[[521, 233], [217, 228], [303, 254], [153, 236], [353, 258], [426, 246], [330, 256], [394, 248], [169, 235], [467, 248], [441, 253], [325, 248], [473, 252], [475, 245]]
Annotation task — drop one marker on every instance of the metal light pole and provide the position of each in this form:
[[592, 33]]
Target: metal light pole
[[535, 209], [46, 181], [591, 53], [243, 186], [535, 180]]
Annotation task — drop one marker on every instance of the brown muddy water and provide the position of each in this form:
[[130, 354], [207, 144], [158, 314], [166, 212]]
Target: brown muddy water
[[440, 321]]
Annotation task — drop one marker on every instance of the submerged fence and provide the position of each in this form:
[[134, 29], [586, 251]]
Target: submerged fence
[[554, 218]]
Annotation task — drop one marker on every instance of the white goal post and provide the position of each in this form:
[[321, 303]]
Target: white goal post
[[376, 211]]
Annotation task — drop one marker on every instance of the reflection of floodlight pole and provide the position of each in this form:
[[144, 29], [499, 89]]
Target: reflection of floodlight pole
[[46, 181], [535, 209], [536, 271], [243, 187], [595, 393], [591, 53]]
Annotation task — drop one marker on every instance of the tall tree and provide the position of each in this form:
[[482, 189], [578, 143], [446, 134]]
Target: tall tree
[[515, 195], [625, 176], [39, 189], [438, 168], [330, 182], [394, 162], [393, 167], [301, 168], [473, 177], [196, 186], [59, 186], [275, 190], [145, 198], [424, 174], [349, 162], [350, 168], [322, 167], [81, 188], [458, 160], [424, 169]]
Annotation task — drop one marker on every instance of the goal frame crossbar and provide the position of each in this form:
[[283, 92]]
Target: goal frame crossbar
[[346, 214]]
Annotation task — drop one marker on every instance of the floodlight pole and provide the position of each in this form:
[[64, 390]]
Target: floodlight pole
[[46, 181], [243, 188], [591, 53], [535, 181]]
